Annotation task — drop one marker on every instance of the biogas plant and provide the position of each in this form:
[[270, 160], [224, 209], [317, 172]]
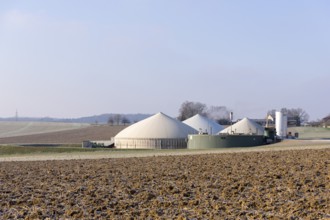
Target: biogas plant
[[161, 131]]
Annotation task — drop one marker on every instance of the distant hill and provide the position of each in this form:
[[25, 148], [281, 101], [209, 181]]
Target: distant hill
[[95, 119]]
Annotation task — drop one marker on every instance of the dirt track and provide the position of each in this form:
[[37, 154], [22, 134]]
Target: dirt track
[[260, 185]]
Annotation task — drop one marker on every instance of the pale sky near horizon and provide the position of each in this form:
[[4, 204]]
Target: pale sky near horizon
[[80, 58]]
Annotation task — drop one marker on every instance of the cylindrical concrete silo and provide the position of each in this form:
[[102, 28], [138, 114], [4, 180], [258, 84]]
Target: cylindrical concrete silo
[[281, 122], [285, 125]]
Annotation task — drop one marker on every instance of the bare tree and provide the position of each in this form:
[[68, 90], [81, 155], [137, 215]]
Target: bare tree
[[189, 109], [297, 115], [271, 113], [125, 120], [221, 114], [111, 120], [117, 118], [316, 123]]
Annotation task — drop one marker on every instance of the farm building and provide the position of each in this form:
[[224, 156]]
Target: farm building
[[326, 122], [203, 124], [244, 126], [157, 132]]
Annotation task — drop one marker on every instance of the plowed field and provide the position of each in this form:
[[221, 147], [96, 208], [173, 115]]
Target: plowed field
[[262, 185], [73, 136]]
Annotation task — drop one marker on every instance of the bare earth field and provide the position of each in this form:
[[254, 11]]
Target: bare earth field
[[290, 184], [19, 128], [286, 180], [72, 136]]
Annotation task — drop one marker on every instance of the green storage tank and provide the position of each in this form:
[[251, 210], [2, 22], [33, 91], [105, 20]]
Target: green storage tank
[[224, 141]]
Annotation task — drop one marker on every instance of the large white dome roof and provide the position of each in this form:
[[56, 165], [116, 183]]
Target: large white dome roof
[[244, 126], [203, 124], [157, 126]]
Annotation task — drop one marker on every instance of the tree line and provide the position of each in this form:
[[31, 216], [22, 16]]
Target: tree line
[[118, 119]]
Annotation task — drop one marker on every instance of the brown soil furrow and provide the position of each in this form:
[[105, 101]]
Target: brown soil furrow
[[259, 185]]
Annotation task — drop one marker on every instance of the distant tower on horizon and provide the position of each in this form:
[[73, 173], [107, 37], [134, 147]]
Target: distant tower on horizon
[[16, 115]]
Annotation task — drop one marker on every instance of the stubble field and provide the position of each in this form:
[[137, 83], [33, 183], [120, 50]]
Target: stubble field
[[264, 185]]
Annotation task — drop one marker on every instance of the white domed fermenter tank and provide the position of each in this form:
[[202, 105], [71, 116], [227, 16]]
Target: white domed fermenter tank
[[157, 132], [245, 126], [204, 124]]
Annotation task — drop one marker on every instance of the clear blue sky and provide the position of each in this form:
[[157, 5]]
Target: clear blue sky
[[79, 58]]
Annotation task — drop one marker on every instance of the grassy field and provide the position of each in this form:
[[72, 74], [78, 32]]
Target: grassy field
[[311, 132], [8, 150], [70, 152]]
